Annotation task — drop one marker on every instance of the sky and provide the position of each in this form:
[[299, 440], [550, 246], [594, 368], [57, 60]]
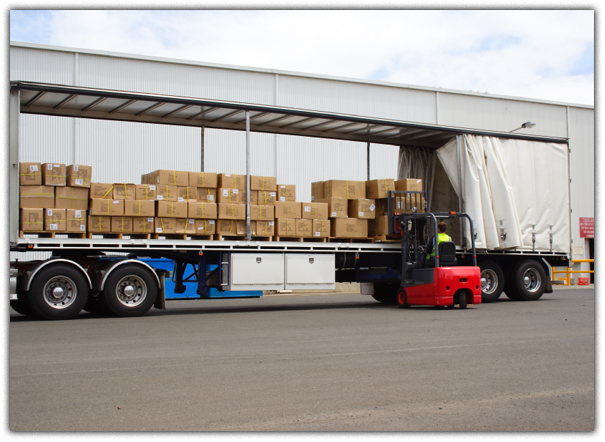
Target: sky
[[545, 54]]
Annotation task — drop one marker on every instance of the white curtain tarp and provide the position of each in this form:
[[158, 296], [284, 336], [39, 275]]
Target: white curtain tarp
[[515, 191]]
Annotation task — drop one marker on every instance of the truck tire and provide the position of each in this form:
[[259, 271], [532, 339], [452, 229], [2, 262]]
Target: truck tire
[[402, 298], [385, 293], [58, 291], [130, 290], [510, 287], [492, 281], [529, 279], [20, 305]]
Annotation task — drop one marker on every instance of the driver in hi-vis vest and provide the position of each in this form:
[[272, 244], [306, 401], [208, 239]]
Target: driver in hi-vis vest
[[441, 236]]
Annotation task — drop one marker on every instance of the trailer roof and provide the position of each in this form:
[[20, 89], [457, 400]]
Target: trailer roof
[[104, 104]]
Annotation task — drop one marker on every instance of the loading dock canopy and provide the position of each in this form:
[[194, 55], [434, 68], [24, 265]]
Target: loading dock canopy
[[82, 102]]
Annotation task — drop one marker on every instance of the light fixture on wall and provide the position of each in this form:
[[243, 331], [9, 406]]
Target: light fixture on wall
[[526, 125]]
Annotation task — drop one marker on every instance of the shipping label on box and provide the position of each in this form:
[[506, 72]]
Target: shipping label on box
[[145, 192], [230, 227], [99, 224], [349, 228], [170, 177], [286, 192], [170, 225], [263, 183], [317, 190], [337, 207], [288, 209], [121, 224], [316, 210], [265, 198], [36, 197], [379, 188], [262, 213], [79, 175], [124, 191], [362, 208], [172, 209], [143, 224], [54, 174], [101, 191], [32, 220], [186, 194], [263, 228], [71, 198], [304, 228], [231, 181], [30, 174], [228, 195], [206, 194], [231, 211], [286, 227], [349, 190], [139, 208], [409, 184], [165, 192], [203, 179], [201, 210], [321, 228], [76, 221], [99, 207], [196, 226], [55, 220], [378, 226]]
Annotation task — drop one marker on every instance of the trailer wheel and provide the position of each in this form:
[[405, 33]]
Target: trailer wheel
[[130, 290], [529, 280], [509, 283], [58, 291], [402, 298], [492, 281], [385, 293], [20, 304]]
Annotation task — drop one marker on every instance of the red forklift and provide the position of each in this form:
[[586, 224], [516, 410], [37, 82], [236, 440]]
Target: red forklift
[[427, 280]]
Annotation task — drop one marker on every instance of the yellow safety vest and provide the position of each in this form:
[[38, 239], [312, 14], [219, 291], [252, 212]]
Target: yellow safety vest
[[440, 238]]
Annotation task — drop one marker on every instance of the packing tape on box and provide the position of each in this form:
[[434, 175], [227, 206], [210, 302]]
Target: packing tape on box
[[174, 177], [100, 222], [122, 229], [125, 192], [71, 198], [231, 227], [203, 216], [162, 223], [107, 193], [232, 212]]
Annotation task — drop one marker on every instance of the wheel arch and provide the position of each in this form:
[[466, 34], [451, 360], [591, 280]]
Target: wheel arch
[[25, 284], [118, 263]]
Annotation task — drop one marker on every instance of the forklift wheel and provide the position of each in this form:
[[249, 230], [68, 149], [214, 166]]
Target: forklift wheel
[[402, 299]]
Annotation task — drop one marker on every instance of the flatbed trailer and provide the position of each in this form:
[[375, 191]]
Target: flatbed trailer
[[110, 274]]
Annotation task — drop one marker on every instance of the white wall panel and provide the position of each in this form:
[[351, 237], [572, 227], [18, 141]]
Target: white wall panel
[[41, 65]]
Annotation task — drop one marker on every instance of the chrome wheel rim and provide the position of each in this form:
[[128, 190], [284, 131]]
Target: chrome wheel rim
[[131, 291], [60, 292], [532, 280], [489, 281]]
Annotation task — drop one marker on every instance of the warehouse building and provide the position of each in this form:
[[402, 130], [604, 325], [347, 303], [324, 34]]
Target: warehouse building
[[136, 148]]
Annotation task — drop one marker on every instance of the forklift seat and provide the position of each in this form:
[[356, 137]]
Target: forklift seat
[[447, 254]]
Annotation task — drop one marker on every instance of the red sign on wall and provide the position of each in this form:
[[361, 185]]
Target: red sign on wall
[[586, 227]]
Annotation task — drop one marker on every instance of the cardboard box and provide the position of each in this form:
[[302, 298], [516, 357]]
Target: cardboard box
[[121, 224], [32, 220], [101, 191], [200, 226], [286, 192], [265, 198], [124, 191], [321, 228], [316, 210], [99, 224], [54, 174], [409, 184], [165, 192], [231, 181], [288, 209], [145, 178], [202, 210], [262, 213], [172, 209], [262, 228], [231, 211], [141, 224], [169, 177], [253, 197], [75, 221], [170, 225], [317, 190], [206, 195], [345, 189], [186, 193], [145, 192], [55, 220], [79, 175], [268, 183], [228, 195], [30, 174], [337, 207], [203, 179], [379, 188], [101, 207], [232, 227], [378, 226], [362, 208], [349, 228], [304, 228], [36, 197], [71, 198], [285, 227], [142, 208]]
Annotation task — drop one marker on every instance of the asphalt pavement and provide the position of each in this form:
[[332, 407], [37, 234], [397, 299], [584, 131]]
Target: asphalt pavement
[[310, 363]]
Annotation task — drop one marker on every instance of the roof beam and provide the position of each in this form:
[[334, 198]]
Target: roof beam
[[204, 112], [150, 108], [123, 106], [64, 102], [36, 98], [94, 103], [176, 111], [230, 114]]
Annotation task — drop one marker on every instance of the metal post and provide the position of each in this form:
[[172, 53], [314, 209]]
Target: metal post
[[13, 175], [460, 190], [248, 234], [202, 153], [368, 178]]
